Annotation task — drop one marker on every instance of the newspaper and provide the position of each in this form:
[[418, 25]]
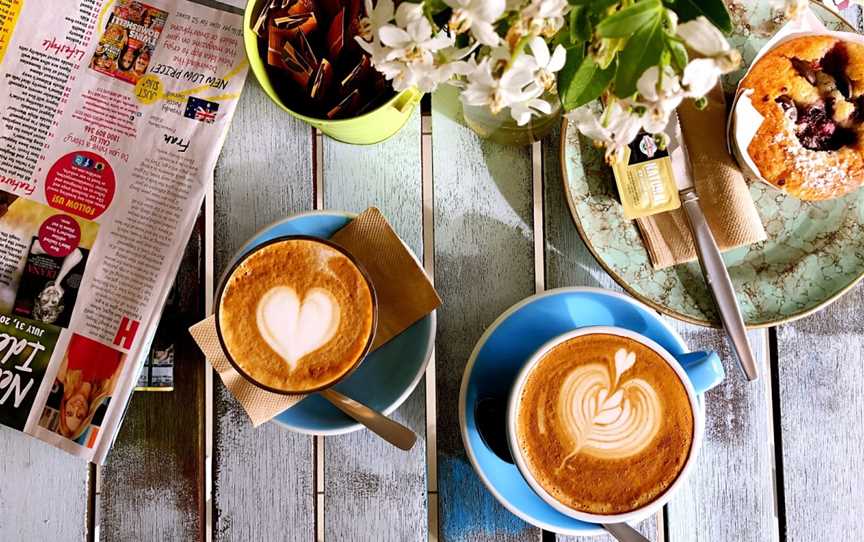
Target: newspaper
[[112, 116]]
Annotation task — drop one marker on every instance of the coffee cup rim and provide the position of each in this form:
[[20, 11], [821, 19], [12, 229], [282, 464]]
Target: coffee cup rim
[[514, 399], [299, 237]]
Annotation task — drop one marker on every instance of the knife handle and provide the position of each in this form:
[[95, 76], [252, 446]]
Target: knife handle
[[719, 282]]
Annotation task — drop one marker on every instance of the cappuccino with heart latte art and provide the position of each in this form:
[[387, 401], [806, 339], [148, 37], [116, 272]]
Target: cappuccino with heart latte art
[[604, 424], [296, 315]]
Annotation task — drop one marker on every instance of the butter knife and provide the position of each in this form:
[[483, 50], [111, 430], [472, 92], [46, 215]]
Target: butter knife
[[710, 260]]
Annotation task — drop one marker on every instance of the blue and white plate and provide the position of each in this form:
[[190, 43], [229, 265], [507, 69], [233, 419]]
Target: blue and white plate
[[500, 354], [386, 377]]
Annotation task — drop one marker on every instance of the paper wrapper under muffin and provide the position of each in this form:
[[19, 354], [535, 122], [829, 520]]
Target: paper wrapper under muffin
[[744, 119], [405, 295], [723, 192]]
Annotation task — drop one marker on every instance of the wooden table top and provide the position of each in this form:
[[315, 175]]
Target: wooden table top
[[782, 457]]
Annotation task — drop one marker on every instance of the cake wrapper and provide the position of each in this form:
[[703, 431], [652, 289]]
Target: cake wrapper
[[744, 119]]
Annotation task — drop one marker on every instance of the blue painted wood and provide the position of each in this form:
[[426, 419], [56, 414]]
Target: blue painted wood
[[370, 486], [262, 477], [483, 264], [568, 262]]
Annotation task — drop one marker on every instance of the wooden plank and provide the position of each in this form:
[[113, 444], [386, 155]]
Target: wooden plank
[[262, 478], [44, 490], [820, 363], [152, 487], [730, 495], [483, 264], [734, 471], [569, 263], [372, 488]]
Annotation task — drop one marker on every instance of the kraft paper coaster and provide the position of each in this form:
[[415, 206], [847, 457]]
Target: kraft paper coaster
[[405, 295], [724, 194]]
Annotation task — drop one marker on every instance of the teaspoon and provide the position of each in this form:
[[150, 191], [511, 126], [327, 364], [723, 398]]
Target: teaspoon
[[624, 533], [393, 432]]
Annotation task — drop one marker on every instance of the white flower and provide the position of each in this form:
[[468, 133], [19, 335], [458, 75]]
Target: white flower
[[407, 12], [546, 16], [377, 52], [516, 84], [522, 111], [478, 16], [546, 65], [703, 37], [700, 76], [412, 39], [375, 18], [660, 96], [615, 128]]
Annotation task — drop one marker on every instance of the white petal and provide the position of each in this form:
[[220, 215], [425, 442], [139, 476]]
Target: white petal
[[407, 12], [559, 58], [700, 76], [541, 105], [487, 10], [383, 13], [588, 123], [485, 33], [441, 41], [393, 36], [702, 36], [647, 83], [540, 51]]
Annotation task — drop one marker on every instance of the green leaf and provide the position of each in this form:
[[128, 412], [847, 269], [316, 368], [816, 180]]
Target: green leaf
[[714, 10], [581, 80], [580, 25], [643, 50], [630, 19], [595, 5]]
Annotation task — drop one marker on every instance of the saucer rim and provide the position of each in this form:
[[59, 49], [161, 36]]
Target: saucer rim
[[469, 366], [430, 339]]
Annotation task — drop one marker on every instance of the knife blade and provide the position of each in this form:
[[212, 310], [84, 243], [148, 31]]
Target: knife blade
[[710, 260]]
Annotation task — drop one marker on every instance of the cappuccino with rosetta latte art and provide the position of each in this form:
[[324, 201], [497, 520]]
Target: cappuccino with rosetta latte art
[[604, 424]]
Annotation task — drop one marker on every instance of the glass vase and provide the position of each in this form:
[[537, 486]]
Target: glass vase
[[501, 127]]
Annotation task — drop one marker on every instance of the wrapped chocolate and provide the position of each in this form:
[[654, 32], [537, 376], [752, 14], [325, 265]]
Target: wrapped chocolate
[[313, 61]]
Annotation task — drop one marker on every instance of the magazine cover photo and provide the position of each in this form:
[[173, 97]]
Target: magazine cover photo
[[129, 40]]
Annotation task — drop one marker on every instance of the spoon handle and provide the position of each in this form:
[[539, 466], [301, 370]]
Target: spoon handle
[[393, 432], [624, 533]]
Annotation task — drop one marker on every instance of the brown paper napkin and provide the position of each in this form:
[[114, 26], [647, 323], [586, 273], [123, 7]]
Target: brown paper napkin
[[723, 191], [405, 295]]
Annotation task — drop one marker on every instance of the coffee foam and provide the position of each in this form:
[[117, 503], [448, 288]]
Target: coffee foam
[[296, 315], [604, 424], [605, 417], [293, 328]]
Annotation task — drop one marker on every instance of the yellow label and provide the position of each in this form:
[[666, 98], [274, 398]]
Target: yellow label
[[148, 89], [9, 11], [646, 187]]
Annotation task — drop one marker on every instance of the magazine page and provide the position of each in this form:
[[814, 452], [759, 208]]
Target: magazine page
[[113, 114]]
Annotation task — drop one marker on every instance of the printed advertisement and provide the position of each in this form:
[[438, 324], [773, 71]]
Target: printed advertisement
[[112, 116]]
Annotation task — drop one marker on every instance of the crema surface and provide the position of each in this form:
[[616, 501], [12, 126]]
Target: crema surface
[[296, 315], [604, 423]]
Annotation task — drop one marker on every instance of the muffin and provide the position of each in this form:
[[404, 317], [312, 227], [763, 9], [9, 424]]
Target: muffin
[[810, 90]]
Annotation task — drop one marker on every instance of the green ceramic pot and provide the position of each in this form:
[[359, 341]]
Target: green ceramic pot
[[372, 127]]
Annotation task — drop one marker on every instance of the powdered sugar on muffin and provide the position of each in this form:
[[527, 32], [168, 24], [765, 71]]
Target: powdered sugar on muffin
[[810, 91]]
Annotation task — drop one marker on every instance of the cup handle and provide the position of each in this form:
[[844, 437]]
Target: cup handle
[[703, 368]]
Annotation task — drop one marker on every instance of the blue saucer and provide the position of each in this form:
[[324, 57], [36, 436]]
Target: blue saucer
[[386, 377], [495, 362]]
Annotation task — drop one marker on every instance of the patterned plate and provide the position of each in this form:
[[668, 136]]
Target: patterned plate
[[814, 252]]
